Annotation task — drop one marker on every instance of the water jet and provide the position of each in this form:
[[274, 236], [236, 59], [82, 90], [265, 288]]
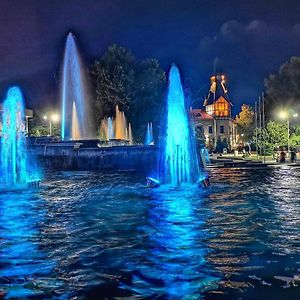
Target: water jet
[[76, 117], [178, 160], [17, 166]]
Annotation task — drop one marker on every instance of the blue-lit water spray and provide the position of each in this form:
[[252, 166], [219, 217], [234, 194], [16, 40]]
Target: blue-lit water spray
[[17, 166], [149, 135], [110, 129], [173, 266], [76, 117], [178, 161]]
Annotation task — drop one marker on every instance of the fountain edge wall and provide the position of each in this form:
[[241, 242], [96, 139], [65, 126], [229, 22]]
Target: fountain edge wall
[[67, 157]]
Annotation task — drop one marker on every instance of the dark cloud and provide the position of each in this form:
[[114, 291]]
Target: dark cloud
[[245, 39], [248, 52]]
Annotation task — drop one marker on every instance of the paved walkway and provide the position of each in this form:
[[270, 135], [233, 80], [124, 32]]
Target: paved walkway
[[227, 160]]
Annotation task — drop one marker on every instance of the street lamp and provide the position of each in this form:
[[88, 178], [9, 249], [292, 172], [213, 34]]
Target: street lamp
[[284, 115], [53, 118]]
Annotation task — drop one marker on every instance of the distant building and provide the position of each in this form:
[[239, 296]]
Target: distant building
[[214, 120]]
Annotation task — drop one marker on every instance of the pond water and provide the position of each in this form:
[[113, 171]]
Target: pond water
[[85, 235]]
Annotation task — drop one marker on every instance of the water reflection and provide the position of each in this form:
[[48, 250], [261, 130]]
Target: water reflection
[[283, 227], [21, 260], [173, 263], [84, 235]]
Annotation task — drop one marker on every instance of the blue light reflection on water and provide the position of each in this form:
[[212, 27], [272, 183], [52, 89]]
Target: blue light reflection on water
[[175, 254], [86, 234], [20, 257]]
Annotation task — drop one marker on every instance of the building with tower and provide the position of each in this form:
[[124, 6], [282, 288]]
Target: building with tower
[[214, 120]]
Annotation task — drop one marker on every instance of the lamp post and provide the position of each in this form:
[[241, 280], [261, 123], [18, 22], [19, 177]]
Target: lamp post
[[53, 118], [242, 135], [286, 116]]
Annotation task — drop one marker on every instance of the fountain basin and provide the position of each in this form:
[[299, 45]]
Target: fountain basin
[[86, 155]]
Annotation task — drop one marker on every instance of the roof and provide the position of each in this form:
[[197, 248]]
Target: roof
[[199, 114], [217, 89]]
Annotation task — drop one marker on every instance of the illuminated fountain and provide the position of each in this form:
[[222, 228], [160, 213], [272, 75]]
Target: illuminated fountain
[[116, 129], [76, 119], [120, 125], [110, 128], [174, 265], [178, 161], [130, 137], [17, 167], [149, 135]]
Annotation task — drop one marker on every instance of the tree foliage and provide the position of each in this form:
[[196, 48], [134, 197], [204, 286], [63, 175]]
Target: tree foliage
[[295, 137], [113, 76], [221, 144], [150, 84], [43, 130], [283, 88], [269, 138], [199, 134], [38, 126], [136, 87], [245, 122]]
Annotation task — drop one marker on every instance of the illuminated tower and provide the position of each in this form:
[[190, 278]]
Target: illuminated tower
[[215, 121], [217, 103]]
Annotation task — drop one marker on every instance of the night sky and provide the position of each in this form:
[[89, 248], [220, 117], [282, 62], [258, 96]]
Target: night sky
[[245, 39]]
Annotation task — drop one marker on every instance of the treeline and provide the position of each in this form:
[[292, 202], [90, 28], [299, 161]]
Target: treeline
[[264, 128], [137, 87]]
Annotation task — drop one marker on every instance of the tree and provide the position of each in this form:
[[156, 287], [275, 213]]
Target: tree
[[38, 126], [136, 87], [221, 144], [271, 137], [295, 137], [150, 84], [245, 122], [283, 88], [199, 134], [113, 77]]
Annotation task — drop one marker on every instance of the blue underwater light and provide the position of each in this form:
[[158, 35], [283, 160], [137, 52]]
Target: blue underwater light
[[17, 166], [178, 158]]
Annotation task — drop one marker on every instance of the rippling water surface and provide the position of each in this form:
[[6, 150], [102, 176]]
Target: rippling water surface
[[93, 236]]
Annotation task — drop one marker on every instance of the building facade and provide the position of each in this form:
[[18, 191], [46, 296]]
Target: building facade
[[214, 120]]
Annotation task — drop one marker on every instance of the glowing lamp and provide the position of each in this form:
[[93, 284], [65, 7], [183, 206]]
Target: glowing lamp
[[55, 117], [283, 115]]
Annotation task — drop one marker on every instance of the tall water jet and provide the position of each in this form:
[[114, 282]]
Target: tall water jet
[[110, 129], [116, 129], [76, 116], [130, 138], [149, 135], [120, 125], [76, 135], [179, 161], [103, 132], [16, 164]]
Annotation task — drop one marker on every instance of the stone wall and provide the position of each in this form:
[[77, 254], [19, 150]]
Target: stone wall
[[70, 156]]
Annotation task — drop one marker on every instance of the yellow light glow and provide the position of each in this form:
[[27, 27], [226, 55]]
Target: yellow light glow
[[55, 117], [283, 115]]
